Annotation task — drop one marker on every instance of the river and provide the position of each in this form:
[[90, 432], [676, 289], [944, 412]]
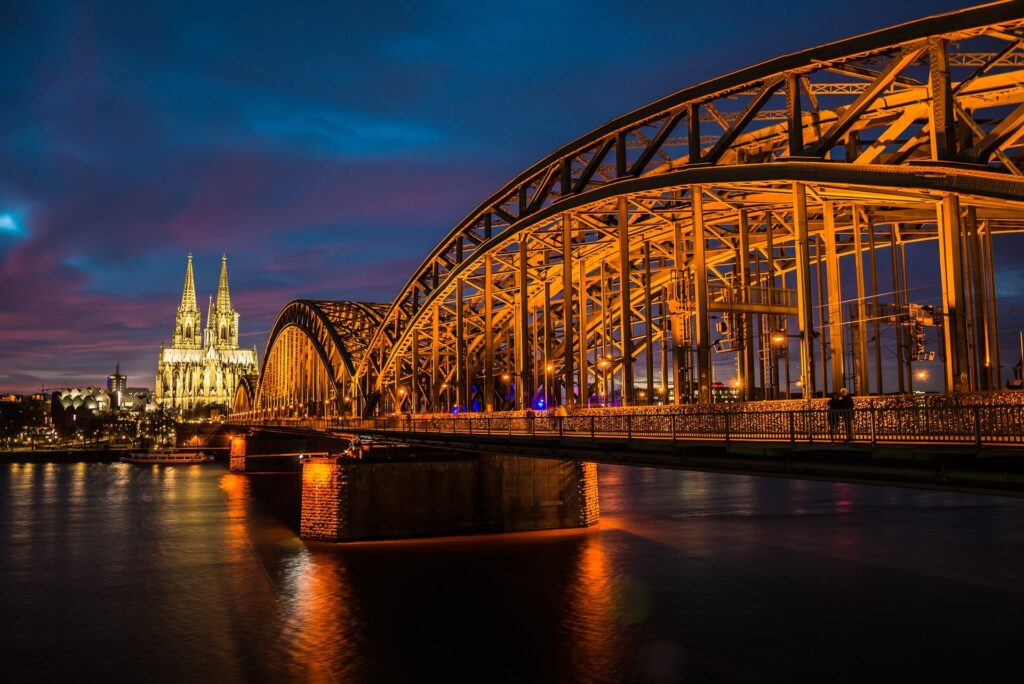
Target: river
[[127, 573]]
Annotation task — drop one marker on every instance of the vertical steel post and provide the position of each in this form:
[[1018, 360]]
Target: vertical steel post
[[703, 336], [897, 300], [461, 377], [747, 350], [835, 299], [435, 363], [822, 322], [489, 334], [648, 322], [584, 371], [942, 123], [794, 115], [679, 381], [524, 360], [872, 263], [805, 316], [860, 371], [414, 389], [625, 314], [567, 328], [992, 318], [953, 294], [979, 309]]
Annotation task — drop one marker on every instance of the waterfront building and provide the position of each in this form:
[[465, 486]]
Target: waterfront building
[[202, 367], [116, 385]]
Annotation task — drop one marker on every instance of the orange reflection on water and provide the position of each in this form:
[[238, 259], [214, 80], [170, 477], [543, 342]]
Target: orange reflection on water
[[321, 625], [591, 616], [236, 487]]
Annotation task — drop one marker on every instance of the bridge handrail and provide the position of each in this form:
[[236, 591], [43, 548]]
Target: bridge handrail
[[969, 424]]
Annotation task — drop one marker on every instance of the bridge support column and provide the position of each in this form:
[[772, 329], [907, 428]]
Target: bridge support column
[[835, 299], [702, 325], [236, 462], [345, 499], [954, 297], [805, 315]]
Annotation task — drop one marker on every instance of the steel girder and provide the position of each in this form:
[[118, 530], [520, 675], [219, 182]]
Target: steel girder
[[883, 125]]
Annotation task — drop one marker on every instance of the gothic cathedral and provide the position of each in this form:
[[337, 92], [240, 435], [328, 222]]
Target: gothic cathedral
[[203, 367]]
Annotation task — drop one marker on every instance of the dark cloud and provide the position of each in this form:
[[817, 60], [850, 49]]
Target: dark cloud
[[325, 146]]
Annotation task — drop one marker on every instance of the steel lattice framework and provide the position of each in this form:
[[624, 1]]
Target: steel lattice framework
[[742, 198], [311, 357]]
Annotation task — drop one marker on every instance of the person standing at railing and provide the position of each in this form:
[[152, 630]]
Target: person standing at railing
[[833, 416], [844, 405]]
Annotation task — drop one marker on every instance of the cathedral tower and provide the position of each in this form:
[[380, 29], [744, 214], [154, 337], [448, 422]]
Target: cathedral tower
[[222, 319], [188, 333], [203, 368]]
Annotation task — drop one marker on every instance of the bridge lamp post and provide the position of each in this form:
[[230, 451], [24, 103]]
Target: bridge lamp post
[[780, 341], [506, 378], [445, 387], [401, 400]]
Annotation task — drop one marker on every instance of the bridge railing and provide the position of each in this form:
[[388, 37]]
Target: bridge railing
[[977, 425]]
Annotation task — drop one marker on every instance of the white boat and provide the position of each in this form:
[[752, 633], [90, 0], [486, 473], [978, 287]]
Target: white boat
[[168, 457]]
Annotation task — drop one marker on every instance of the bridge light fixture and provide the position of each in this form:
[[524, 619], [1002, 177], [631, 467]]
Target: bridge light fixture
[[444, 385], [506, 377], [550, 368], [401, 392], [778, 337], [921, 375], [604, 363]]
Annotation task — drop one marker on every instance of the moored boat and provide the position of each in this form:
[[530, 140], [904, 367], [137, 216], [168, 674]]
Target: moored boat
[[167, 457]]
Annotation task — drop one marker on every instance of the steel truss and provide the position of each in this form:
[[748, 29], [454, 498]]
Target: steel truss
[[593, 276], [310, 360]]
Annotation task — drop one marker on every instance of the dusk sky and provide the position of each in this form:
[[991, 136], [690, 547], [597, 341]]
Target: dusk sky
[[325, 147]]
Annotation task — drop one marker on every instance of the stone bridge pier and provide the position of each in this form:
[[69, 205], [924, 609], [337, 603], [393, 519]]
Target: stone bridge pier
[[346, 499], [268, 452]]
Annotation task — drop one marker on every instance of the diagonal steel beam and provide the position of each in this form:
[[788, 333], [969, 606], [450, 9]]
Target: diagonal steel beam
[[851, 113]]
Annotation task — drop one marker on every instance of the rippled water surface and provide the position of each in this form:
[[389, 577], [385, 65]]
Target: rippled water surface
[[192, 574]]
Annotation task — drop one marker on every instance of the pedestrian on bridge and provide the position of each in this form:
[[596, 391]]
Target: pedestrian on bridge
[[844, 404]]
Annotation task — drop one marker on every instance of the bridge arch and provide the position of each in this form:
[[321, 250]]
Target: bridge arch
[[311, 354], [745, 198], [245, 394]]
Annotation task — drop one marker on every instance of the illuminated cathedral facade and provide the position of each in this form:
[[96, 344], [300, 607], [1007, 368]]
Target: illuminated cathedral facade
[[203, 366]]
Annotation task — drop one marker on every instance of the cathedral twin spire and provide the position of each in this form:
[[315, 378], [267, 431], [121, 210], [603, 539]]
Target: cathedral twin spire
[[221, 319]]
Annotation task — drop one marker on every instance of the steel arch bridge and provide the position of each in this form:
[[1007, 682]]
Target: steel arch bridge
[[772, 199], [311, 356]]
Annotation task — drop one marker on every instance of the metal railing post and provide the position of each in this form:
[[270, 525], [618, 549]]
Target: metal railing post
[[792, 429], [629, 427], [977, 426], [560, 435], [470, 426], [672, 418], [874, 435], [591, 426], [727, 428]]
